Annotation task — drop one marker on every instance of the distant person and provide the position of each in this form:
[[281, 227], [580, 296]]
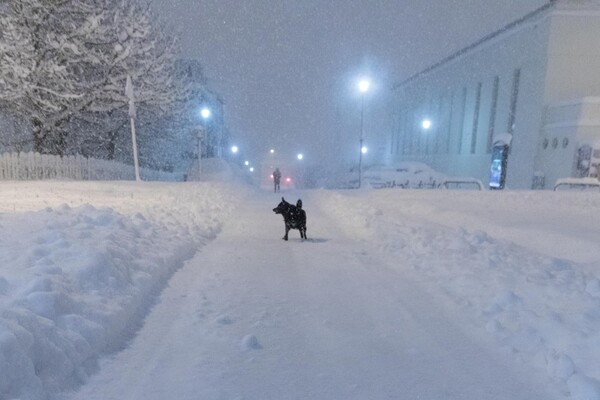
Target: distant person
[[277, 179]]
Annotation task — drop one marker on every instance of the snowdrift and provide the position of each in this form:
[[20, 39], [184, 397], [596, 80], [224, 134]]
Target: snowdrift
[[527, 269], [80, 264]]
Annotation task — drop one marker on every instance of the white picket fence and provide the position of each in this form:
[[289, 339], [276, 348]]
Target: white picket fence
[[35, 166]]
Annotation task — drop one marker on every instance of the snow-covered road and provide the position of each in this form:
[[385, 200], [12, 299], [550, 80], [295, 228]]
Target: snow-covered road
[[336, 317]]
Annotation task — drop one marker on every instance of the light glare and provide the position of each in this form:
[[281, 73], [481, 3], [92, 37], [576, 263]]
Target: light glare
[[363, 85], [364, 150], [205, 112], [234, 149], [300, 156], [426, 124]]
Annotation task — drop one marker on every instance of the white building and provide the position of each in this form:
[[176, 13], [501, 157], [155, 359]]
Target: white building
[[537, 79]]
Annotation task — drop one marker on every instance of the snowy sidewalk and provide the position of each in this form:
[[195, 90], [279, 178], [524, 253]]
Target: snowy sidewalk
[[253, 317]]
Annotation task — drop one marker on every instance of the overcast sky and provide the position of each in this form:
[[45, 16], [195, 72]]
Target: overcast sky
[[287, 69]]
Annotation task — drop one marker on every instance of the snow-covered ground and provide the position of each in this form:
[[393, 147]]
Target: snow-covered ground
[[189, 290]]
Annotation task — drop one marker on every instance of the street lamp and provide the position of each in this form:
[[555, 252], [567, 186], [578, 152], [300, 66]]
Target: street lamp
[[363, 87], [300, 156], [234, 149], [426, 124], [205, 114]]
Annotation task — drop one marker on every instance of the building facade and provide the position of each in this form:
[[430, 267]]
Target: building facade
[[535, 82]]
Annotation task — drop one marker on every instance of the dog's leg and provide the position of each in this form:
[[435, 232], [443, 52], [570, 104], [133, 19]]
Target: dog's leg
[[287, 230]]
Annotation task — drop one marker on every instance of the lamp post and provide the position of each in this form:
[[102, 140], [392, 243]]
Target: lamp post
[[132, 115], [205, 114], [363, 86], [200, 136]]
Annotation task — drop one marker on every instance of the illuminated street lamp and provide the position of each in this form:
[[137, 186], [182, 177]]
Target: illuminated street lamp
[[426, 124], [363, 87], [205, 114], [300, 156], [234, 149], [364, 150], [246, 163]]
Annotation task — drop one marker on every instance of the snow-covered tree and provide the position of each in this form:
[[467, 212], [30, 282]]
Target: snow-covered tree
[[16, 55], [77, 56], [138, 47]]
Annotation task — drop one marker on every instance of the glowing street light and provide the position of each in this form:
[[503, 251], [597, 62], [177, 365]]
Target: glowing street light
[[300, 156], [364, 150], [426, 124], [251, 169], [272, 151], [205, 112], [234, 149], [364, 85], [246, 163]]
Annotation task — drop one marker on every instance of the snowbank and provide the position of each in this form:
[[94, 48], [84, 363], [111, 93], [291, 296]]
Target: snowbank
[[483, 254], [404, 174], [80, 264]]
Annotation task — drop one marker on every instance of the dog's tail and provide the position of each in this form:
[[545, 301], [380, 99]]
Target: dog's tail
[[299, 203]]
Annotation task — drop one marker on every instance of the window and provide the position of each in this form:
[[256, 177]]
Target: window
[[493, 108], [476, 119], [436, 131], [449, 131], [512, 113], [395, 144], [462, 119]]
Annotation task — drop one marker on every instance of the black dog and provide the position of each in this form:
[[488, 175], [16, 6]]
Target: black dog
[[293, 216]]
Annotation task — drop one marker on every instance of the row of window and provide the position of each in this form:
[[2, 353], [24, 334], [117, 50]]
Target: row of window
[[452, 119], [546, 143]]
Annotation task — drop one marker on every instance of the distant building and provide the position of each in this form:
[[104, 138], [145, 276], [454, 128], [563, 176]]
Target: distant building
[[537, 80]]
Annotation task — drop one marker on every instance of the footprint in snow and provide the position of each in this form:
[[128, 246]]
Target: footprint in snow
[[224, 320]]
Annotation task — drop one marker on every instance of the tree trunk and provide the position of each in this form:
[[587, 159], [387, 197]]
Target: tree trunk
[[112, 145], [45, 143], [38, 136]]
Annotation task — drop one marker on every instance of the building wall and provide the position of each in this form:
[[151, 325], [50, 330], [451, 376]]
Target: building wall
[[468, 98], [573, 55], [572, 114], [567, 127]]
